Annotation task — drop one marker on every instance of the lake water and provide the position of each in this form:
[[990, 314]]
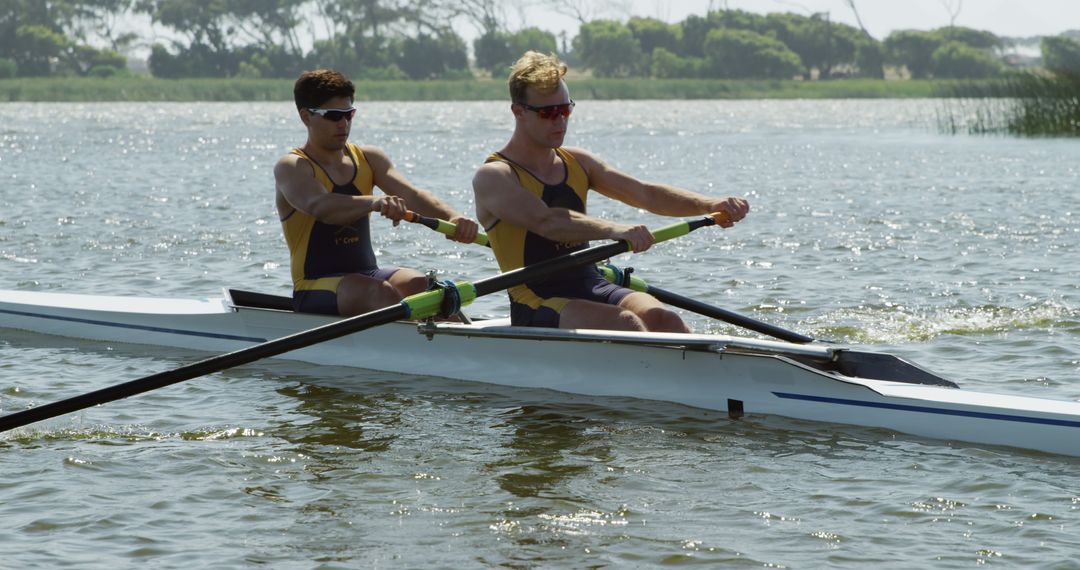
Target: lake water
[[867, 227]]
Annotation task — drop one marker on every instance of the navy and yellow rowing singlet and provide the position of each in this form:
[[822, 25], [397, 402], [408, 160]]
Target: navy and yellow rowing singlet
[[539, 303], [321, 254]]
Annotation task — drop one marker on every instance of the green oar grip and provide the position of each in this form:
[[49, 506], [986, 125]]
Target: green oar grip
[[446, 228], [675, 230], [429, 303], [679, 229], [442, 226], [636, 283]]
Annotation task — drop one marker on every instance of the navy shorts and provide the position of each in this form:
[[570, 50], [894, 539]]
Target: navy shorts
[[553, 296], [320, 295]]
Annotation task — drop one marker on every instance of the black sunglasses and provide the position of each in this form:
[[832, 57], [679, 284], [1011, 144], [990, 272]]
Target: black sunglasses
[[551, 112], [334, 115]]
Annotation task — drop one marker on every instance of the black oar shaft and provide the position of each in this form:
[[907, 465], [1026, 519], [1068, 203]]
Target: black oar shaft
[[727, 316], [550, 266], [204, 367]]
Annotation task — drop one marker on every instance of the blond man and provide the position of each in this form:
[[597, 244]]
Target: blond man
[[531, 196]]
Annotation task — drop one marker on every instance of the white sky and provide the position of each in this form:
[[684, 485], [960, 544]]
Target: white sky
[[1011, 18]]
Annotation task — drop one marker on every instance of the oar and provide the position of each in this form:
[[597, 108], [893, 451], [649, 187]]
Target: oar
[[683, 302], [441, 226], [419, 306], [638, 284]]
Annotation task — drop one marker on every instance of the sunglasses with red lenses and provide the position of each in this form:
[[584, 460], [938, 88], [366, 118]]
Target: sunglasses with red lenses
[[333, 115], [551, 112]]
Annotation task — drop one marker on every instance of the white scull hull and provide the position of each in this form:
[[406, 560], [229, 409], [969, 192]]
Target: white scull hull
[[729, 374]]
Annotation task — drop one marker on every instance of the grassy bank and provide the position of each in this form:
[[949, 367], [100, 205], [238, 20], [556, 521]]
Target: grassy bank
[[149, 89]]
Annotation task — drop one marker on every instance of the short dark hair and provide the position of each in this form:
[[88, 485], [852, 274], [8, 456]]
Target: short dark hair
[[318, 86]]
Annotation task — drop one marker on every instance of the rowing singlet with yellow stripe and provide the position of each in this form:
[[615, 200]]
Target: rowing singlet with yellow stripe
[[319, 250], [538, 303]]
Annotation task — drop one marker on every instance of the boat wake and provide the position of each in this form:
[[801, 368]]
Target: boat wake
[[899, 324]]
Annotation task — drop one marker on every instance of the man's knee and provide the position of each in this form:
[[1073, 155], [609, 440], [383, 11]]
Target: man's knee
[[409, 284], [628, 321], [589, 315], [660, 319], [412, 285], [358, 294]]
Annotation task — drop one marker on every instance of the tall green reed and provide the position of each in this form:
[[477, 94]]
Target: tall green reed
[[1027, 104]]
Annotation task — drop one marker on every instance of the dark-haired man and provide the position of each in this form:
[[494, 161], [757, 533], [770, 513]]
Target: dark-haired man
[[530, 197], [324, 199]]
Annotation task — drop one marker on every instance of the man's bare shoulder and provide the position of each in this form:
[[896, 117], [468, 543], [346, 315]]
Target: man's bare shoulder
[[377, 158], [372, 151], [493, 172], [288, 164], [583, 155]]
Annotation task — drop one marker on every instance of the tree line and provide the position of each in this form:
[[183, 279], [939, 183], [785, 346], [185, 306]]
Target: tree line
[[414, 39]]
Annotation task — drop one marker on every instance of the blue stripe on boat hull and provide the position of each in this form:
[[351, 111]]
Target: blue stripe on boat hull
[[136, 327], [929, 410]]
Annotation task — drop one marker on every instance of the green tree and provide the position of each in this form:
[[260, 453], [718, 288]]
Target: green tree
[[492, 51], [652, 33], [531, 39], [360, 56], [608, 48], [739, 20], [978, 39], [15, 14], [820, 43], [696, 28], [203, 23], [495, 52], [396, 38], [741, 54], [1061, 54], [207, 52], [430, 57], [86, 60], [914, 50], [956, 60], [870, 59], [270, 26], [667, 65], [89, 20], [31, 36], [35, 47], [222, 34]]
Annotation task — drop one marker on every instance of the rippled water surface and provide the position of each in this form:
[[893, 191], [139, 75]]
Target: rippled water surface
[[868, 227]]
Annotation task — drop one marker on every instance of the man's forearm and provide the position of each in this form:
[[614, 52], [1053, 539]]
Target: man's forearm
[[667, 200]]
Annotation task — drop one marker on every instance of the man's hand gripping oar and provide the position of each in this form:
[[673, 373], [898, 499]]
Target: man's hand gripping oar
[[638, 284], [419, 306]]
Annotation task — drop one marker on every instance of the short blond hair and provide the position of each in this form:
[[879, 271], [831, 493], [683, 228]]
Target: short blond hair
[[534, 69]]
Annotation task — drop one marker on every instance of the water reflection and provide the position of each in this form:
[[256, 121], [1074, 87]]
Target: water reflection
[[334, 418], [547, 448]]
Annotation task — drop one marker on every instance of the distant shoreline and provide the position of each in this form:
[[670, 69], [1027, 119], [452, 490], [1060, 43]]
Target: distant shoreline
[[86, 89]]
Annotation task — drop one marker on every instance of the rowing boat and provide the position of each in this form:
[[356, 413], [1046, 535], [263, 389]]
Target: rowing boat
[[735, 375]]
